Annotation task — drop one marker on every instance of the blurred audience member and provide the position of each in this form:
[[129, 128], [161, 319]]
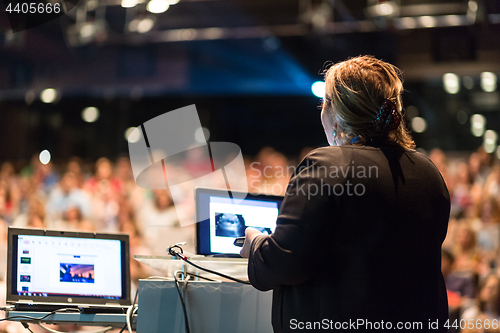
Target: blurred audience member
[[487, 307], [65, 196]]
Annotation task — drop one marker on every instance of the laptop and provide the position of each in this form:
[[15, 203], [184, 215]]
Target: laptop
[[49, 270], [223, 216]]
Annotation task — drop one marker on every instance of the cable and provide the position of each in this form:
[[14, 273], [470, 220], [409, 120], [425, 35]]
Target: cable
[[130, 313], [26, 326], [180, 254], [186, 321]]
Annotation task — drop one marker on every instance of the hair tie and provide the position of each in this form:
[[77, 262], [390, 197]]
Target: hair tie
[[387, 119]]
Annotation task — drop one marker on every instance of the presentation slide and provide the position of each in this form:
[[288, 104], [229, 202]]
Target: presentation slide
[[229, 221], [69, 266]]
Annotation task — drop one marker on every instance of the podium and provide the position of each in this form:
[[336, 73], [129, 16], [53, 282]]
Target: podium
[[212, 307]]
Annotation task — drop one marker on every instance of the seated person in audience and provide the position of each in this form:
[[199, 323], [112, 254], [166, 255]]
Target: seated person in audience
[[460, 285], [65, 196], [487, 308], [465, 250]]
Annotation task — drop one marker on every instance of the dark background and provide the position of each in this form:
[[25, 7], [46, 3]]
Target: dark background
[[251, 86]]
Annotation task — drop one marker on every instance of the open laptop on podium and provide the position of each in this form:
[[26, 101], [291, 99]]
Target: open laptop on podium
[[224, 216], [49, 270]]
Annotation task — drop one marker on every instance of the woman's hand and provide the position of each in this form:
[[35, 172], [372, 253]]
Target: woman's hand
[[250, 234]]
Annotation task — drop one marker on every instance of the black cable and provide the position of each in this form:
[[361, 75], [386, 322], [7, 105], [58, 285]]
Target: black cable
[[217, 273], [186, 321], [199, 276], [180, 254], [26, 326]]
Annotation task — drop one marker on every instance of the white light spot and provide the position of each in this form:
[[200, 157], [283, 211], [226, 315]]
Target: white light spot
[[133, 25], [129, 3], [488, 81], [453, 20], [48, 95], [145, 25], [90, 114], [472, 6], [202, 135], [157, 6], [44, 156], [133, 134], [451, 83], [427, 21], [477, 124], [490, 141], [408, 22], [318, 89], [385, 9], [419, 124]]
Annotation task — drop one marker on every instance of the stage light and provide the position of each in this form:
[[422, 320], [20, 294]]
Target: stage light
[[472, 6], [129, 3], [318, 89], [88, 30], [133, 134], [90, 114], [157, 6], [173, 2], [202, 135], [387, 8], [213, 33], [408, 22], [44, 157], [419, 124], [490, 141], [134, 25], [145, 25], [427, 21], [451, 83], [48, 95], [477, 124], [488, 81], [453, 20]]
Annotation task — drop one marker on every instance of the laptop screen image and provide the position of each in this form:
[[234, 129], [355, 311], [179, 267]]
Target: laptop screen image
[[223, 219], [68, 267]]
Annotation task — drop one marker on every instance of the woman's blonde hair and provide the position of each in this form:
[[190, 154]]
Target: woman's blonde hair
[[357, 89]]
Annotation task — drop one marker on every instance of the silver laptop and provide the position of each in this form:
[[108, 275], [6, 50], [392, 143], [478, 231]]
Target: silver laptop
[[49, 270]]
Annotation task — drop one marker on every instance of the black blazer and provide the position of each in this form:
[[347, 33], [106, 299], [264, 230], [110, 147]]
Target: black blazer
[[358, 237]]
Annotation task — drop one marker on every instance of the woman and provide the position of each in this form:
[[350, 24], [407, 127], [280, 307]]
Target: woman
[[357, 244]]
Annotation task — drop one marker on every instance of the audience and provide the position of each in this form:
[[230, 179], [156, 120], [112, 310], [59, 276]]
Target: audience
[[105, 198]]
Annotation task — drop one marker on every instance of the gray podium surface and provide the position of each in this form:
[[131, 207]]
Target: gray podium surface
[[212, 307]]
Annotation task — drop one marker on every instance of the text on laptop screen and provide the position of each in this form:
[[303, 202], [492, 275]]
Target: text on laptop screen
[[69, 266]]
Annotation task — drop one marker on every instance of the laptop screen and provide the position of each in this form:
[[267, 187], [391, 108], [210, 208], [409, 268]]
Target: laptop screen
[[57, 266], [223, 218]]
